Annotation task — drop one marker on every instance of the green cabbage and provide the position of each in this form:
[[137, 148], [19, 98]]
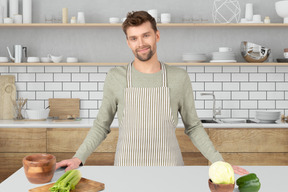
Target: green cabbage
[[221, 173]]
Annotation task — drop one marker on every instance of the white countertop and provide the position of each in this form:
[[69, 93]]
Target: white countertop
[[88, 123], [155, 179]]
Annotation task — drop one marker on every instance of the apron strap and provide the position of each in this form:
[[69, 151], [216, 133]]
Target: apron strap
[[129, 75]]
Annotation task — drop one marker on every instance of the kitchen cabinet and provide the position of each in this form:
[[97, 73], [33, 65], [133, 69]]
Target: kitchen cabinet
[[239, 146], [118, 25]]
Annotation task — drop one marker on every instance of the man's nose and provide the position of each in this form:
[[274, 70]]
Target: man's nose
[[140, 42]]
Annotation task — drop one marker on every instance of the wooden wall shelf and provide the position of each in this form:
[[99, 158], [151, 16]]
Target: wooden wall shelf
[[119, 64], [159, 25]]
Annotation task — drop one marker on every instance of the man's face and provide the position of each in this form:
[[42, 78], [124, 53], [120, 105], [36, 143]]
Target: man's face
[[142, 40]]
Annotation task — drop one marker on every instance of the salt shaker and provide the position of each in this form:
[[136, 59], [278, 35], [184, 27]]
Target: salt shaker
[[73, 20], [267, 20]]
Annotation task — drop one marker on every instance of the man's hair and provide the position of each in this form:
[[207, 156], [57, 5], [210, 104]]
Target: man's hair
[[136, 18]]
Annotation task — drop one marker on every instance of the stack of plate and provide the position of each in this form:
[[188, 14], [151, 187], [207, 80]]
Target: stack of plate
[[223, 57], [267, 116], [194, 57]]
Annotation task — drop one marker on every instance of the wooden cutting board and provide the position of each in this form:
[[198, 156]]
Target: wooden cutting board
[[64, 107], [84, 185], [7, 96]]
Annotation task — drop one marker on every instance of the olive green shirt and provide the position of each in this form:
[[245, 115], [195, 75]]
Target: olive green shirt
[[181, 100]]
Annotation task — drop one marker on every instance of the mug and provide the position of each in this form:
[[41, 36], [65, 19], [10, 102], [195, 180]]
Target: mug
[[225, 49], [154, 13], [45, 59], [165, 18]]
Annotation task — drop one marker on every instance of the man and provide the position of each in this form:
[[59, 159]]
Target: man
[[147, 96]]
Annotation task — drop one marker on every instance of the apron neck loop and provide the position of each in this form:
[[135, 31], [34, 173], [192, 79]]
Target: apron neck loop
[[129, 75]]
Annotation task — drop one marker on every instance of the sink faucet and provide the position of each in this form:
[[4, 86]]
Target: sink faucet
[[215, 112]]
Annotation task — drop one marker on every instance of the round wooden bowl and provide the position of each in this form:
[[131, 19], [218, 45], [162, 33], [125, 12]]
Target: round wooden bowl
[[220, 187], [39, 168]]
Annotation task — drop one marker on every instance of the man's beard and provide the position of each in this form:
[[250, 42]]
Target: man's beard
[[145, 57]]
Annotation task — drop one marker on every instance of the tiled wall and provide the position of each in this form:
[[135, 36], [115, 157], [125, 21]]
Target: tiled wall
[[239, 90]]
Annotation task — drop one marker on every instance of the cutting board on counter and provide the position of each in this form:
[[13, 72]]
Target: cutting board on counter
[[84, 185], [62, 107], [7, 96]]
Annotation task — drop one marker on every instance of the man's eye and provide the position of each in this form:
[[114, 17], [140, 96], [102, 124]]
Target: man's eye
[[133, 39], [146, 35]]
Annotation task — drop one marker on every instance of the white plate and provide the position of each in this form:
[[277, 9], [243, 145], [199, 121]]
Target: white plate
[[223, 61], [233, 120]]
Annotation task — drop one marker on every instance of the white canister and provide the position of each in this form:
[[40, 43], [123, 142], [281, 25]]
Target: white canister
[[165, 18], [18, 19], [13, 8], [81, 17], [4, 4], [249, 12], [65, 15], [27, 11], [8, 20], [153, 13]]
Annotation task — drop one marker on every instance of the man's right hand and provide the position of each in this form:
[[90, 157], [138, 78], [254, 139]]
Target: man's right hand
[[73, 163]]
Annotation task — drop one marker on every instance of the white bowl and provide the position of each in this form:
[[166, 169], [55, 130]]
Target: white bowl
[[45, 59], [33, 60], [37, 113], [282, 10], [267, 116], [4, 59]]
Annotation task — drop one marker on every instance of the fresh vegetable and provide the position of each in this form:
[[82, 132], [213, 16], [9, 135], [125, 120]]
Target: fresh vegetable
[[67, 181], [248, 183], [221, 173]]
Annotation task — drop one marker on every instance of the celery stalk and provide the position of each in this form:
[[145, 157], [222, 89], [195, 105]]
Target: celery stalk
[[67, 181]]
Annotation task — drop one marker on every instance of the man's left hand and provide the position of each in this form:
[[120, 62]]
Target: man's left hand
[[239, 171]]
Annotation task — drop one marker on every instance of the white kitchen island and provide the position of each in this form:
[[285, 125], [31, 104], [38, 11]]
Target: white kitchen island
[[155, 179]]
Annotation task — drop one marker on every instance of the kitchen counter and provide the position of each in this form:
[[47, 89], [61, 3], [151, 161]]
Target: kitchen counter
[[158, 179], [87, 123]]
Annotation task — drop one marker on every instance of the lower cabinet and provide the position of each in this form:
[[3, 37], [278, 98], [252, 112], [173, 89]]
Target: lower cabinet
[[238, 146]]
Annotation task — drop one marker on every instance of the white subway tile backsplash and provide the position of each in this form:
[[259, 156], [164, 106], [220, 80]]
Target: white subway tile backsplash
[[286, 94], [246, 69], [105, 69], [4, 69], [204, 113], [96, 95], [195, 69], [44, 77], [71, 69], [281, 104], [257, 77], [266, 69], [266, 86], [71, 86], [26, 77], [276, 95], [248, 86], [275, 77], [91, 69], [222, 95], [20, 86], [281, 86], [100, 86], [53, 86], [18, 69], [215, 69], [80, 94], [62, 94], [62, 77], [93, 113], [231, 104], [231, 69], [222, 77], [88, 104], [204, 77], [33, 104], [192, 76], [238, 77], [240, 114], [44, 95], [257, 95], [85, 114], [248, 104], [239, 95], [27, 95], [199, 104], [97, 77], [213, 86], [35, 69], [281, 69], [198, 86], [88, 86], [209, 104], [266, 104], [53, 69], [230, 86], [35, 86], [79, 76]]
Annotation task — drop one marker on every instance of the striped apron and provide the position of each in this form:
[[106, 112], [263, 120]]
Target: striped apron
[[147, 131]]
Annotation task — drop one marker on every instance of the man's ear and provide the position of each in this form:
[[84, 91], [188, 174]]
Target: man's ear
[[157, 36]]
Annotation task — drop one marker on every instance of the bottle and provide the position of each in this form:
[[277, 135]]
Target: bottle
[[267, 20]]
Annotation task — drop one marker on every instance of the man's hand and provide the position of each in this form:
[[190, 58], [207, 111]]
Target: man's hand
[[70, 163], [239, 171]]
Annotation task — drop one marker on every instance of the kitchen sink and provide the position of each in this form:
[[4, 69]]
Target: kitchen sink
[[208, 121], [219, 121]]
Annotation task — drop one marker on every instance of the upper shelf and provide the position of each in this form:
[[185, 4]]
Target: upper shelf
[[159, 24]]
